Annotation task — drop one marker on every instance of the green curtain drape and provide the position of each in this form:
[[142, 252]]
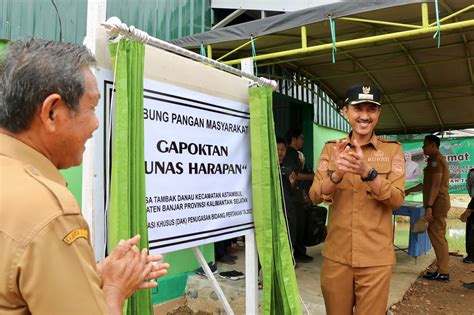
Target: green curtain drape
[[127, 216], [280, 289]]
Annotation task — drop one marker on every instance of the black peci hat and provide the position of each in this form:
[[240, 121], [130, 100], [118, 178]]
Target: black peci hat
[[363, 93]]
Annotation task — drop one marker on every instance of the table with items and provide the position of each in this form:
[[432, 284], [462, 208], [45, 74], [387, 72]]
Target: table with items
[[418, 244]]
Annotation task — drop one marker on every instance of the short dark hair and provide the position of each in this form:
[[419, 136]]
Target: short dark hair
[[280, 140], [433, 139], [32, 70], [293, 133]]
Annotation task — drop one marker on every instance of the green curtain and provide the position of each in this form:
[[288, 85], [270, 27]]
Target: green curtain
[[280, 289], [127, 216]]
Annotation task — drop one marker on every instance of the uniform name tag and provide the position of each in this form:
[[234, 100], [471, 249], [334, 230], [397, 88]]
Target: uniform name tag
[[74, 235]]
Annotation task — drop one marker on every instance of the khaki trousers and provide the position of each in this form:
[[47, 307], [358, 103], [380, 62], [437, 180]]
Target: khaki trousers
[[437, 234], [345, 287]]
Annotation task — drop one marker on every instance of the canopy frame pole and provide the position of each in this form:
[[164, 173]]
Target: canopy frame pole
[[454, 14], [404, 25], [115, 28], [425, 19], [393, 68], [236, 49], [358, 41], [466, 43], [209, 51], [275, 62], [304, 38]]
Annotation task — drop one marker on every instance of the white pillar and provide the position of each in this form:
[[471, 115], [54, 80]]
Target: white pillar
[[93, 162], [251, 255]]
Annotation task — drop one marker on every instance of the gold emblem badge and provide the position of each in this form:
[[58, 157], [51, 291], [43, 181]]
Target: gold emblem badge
[[323, 163], [74, 235], [398, 164], [366, 89]]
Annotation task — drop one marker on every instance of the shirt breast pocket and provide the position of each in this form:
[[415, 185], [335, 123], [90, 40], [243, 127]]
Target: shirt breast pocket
[[383, 169]]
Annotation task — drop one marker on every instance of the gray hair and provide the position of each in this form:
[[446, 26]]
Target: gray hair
[[32, 70]]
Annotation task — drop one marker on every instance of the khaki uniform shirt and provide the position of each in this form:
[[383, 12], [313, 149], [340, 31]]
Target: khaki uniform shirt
[[46, 261], [360, 222], [437, 165]]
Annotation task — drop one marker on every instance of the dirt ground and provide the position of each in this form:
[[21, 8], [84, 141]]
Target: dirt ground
[[185, 310], [432, 297]]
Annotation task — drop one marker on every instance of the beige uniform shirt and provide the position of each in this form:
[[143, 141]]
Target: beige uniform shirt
[[437, 165], [360, 222], [46, 261]]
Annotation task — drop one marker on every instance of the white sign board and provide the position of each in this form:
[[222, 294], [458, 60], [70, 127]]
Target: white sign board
[[197, 165]]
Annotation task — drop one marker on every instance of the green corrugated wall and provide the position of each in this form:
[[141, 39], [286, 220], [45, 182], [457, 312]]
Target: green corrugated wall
[[165, 19], [27, 18]]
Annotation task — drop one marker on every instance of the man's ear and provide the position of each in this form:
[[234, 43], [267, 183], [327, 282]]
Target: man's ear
[[53, 111], [345, 109]]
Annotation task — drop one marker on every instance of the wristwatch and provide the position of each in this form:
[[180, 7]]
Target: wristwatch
[[427, 206], [371, 176]]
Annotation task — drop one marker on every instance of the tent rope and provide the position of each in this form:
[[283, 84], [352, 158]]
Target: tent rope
[[203, 50], [254, 54], [438, 24], [332, 24]]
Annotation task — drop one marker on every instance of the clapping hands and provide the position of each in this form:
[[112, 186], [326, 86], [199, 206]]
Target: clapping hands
[[350, 159], [128, 269]]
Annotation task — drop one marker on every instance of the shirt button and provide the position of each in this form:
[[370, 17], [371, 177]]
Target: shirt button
[[34, 171]]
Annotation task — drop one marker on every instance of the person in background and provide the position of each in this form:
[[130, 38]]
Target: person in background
[[288, 179], [48, 98], [361, 178], [436, 202], [295, 141], [468, 217], [221, 252]]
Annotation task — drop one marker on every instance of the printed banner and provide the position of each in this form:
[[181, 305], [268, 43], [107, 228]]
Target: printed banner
[[458, 152], [197, 165]]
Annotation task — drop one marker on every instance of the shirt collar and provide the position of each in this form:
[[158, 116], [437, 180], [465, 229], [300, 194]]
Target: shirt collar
[[433, 156], [17, 150], [374, 140]]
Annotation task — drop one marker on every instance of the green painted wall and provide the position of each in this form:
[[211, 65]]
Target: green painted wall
[[3, 44], [182, 264], [73, 177], [308, 131]]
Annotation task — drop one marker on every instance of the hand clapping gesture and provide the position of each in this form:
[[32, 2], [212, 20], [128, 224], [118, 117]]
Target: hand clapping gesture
[[128, 269], [350, 160], [338, 150]]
